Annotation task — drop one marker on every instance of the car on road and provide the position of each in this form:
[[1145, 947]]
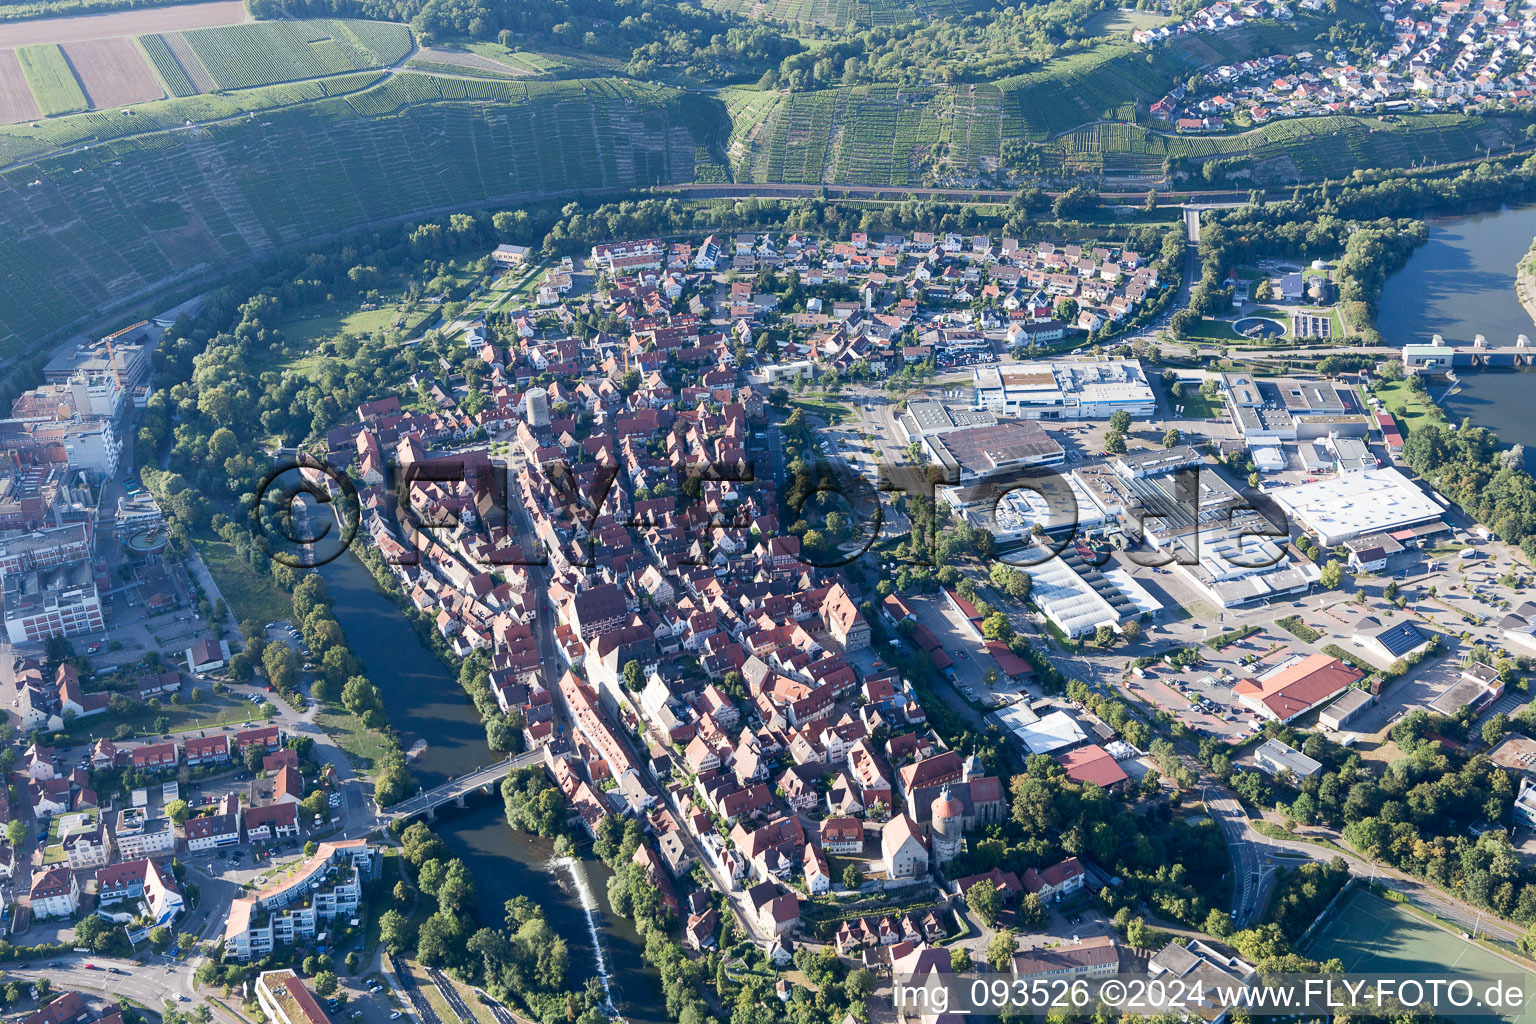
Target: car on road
[[56, 965], [92, 967]]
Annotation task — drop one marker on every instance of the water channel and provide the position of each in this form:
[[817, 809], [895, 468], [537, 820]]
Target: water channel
[[1459, 284], [436, 718]]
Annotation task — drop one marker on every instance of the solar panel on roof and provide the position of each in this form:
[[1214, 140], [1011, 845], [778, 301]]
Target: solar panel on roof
[[1400, 639]]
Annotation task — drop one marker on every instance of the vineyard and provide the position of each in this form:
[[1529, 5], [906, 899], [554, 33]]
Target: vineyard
[[51, 80], [81, 238], [1305, 148], [874, 134], [796, 146], [172, 75], [849, 15], [1111, 80], [261, 53]]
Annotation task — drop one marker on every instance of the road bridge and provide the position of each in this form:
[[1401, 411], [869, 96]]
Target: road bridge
[[455, 790]]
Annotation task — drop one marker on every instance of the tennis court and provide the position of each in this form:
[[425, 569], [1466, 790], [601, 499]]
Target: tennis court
[[1372, 936]]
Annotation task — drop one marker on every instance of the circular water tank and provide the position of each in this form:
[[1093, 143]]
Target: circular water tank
[[1319, 264]]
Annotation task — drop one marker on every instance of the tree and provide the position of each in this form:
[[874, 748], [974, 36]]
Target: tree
[[325, 982], [1332, 575], [985, 901], [1032, 911], [160, 938], [393, 931], [1137, 933], [16, 831], [1495, 728], [1105, 636], [1001, 949], [1181, 322], [633, 677], [1114, 443], [1171, 438], [252, 756], [1120, 421], [1131, 631], [852, 877], [997, 627], [177, 811], [959, 959]]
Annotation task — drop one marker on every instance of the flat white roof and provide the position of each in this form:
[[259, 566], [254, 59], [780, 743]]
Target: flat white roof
[[1068, 600], [1050, 732], [1371, 501]]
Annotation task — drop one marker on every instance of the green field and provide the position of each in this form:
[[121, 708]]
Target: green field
[[1373, 936], [262, 53], [52, 80]]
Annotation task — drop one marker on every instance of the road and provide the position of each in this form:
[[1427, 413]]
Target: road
[[1253, 856]]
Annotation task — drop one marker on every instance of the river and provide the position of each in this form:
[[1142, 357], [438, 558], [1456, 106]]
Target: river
[[1459, 284], [427, 706]]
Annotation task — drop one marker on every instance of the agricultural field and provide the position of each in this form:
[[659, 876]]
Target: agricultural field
[[72, 25], [245, 56], [113, 72], [173, 76], [456, 61], [177, 43], [51, 79], [16, 102]]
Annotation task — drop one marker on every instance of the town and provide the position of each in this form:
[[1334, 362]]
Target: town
[[848, 596]]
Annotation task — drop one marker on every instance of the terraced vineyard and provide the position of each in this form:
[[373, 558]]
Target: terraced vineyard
[[78, 241], [1306, 148], [796, 147], [51, 79], [261, 53]]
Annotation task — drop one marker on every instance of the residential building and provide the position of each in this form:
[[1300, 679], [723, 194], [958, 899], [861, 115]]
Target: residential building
[[326, 885], [285, 999], [55, 893]]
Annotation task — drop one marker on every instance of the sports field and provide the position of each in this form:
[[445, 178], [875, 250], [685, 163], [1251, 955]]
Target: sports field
[[1372, 936]]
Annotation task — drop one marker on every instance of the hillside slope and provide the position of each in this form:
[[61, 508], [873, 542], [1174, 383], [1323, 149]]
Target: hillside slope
[[95, 230]]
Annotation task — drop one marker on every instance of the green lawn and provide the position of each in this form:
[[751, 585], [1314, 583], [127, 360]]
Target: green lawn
[[362, 746], [1123, 20], [833, 412], [1214, 330], [313, 327], [1411, 408], [212, 712], [250, 594], [1196, 406]]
